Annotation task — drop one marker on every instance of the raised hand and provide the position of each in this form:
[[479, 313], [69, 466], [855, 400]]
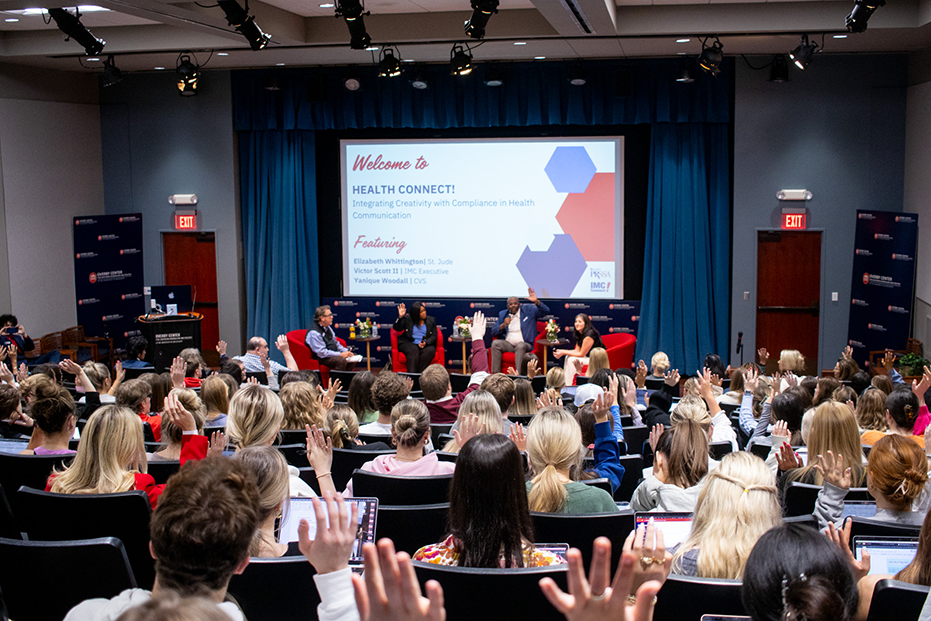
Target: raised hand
[[21, 372], [333, 390], [646, 543], [848, 352], [751, 380], [671, 378], [547, 398], [178, 416], [601, 407], [532, 295], [787, 459], [833, 471], [520, 437], [252, 381], [217, 444], [532, 366], [319, 451], [655, 433], [402, 310], [477, 330], [266, 364], [841, 539], [4, 352], [641, 378], [324, 400], [332, 544], [221, 347], [389, 590], [469, 427], [764, 355], [888, 360], [512, 371], [177, 372], [282, 343], [611, 395], [7, 376]]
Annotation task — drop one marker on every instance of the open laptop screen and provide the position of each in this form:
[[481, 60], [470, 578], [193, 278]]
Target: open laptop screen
[[675, 526], [888, 555], [303, 508]]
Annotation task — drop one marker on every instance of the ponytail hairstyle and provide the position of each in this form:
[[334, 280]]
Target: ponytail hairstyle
[[410, 422], [556, 379], [51, 407], [694, 409], [97, 373], [190, 402], [871, 410], [898, 470], [919, 570], [795, 573], [554, 442], [902, 406], [826, 388], [341, 424], [483, 404], [684, 447]]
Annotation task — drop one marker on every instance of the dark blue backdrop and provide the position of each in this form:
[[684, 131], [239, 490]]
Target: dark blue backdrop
[[687, 265]]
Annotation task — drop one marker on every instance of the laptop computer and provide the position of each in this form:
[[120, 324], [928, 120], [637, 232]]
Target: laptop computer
[[676, 526], [303, 508], [888, 555], [859, 508]]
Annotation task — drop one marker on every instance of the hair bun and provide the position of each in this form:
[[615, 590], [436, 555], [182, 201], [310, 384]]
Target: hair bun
[[406, 422]]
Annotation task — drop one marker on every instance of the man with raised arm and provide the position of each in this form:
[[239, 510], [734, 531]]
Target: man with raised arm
[[437, 389], [517, 331], [253, 361]]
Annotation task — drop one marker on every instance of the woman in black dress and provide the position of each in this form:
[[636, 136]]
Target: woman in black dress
[[417, 340], [586, 337]]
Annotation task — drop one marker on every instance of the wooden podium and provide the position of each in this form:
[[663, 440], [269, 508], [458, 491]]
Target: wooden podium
[[168, 335]]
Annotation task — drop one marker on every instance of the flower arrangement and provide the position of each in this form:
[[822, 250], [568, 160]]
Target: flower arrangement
[[464, 326], [364, 328], [552, 330]]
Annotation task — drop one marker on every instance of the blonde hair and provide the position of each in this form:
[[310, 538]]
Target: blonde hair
[[792, 360], [110, 452], [871, 409], [833, 428], [554, 441], [341, 424], [410, 422], [659, 363], [597, 359], [28, 386], [271, 474], [255, 417], [301, 407], [97, 373], [738, 503], [692, 408], [190, 402], [556, 378], [483, 404], [215, 394]]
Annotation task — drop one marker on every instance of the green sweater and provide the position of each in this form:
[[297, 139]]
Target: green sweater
[[584, 499]]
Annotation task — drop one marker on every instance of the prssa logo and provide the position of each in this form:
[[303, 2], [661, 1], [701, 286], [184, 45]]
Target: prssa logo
[[92, 277], [599, 273], [856, 302], [854, 343], [866, 278], [635, 317]]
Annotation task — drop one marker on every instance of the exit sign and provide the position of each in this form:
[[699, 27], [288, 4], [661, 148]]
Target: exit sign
[[794, 221], [186, 220]]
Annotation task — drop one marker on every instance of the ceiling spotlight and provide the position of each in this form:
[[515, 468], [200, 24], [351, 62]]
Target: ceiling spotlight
[[481, 11], [577, 77], [353, 11], [111, 74], [803, 54], [188, 74], [493, 76], [71, 25], [460, 61], [240, 19], [272, 83], [684, 75], [779, 72], [352, 83], [389, 66], [711, 57], [420, 81], [862, 10]]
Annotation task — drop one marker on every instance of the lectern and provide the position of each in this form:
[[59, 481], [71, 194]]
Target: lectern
[[168, 335]]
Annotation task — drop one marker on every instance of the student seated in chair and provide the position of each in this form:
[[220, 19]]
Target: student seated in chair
[[437, 389]]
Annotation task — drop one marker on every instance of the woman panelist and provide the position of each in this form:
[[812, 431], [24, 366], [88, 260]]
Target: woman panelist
[[586, 337], [417, 340]]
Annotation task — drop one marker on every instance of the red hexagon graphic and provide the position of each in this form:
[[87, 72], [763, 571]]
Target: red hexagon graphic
[[589, 218]]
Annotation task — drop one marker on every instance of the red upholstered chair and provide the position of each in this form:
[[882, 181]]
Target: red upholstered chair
[[399, 360], [507, 357], [300, 351], [620, 347]]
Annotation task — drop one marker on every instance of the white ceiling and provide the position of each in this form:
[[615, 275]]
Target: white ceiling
[[145, 34]]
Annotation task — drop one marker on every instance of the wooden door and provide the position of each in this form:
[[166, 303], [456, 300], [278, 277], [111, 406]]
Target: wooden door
[[191, 259], [788, 294]]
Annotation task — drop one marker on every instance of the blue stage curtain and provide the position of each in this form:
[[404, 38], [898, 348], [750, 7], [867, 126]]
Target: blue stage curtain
[[279, 221], [686, 274]]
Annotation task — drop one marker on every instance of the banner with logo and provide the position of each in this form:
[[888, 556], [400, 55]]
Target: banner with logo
[[108, 279], [883, 282], [608, 317]]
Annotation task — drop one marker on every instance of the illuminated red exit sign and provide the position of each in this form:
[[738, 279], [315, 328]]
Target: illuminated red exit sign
[[792, 221], [186, 220]]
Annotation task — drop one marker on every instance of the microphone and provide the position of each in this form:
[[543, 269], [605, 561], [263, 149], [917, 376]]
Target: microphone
[[740, 336]]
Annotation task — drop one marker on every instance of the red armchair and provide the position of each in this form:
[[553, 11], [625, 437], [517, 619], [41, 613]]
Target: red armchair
[[507, 357], [300, 351], [399, 360], [620, 347]]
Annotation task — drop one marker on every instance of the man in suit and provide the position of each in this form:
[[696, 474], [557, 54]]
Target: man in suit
[[517, 331]]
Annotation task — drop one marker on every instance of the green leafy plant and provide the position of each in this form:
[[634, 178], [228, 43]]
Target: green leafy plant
[[912, 364]]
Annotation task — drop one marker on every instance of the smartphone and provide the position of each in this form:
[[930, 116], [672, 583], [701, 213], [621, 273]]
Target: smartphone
[[12, 330]]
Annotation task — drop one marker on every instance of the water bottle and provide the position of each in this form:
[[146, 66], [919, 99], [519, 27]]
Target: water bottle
[[374, 330]]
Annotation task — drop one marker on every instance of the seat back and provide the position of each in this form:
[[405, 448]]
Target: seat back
[[580, 531], [161, 470], [719, 449], [27, 470], [867, 527], [466, 591], [344, 377], [635, 437], [729, 408], [436, 429], [8, 526], [274, 589], [81, 570], [800, 498], [295, 454], [905, 599], [346, 461], [687, 598], [309, 476], [760, 450], [600, 483], [411, 527], [400, 490], [292, 436], [45, 516], [633, 473]]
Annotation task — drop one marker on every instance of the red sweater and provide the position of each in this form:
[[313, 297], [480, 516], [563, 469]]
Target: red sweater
[[155, 422], [446, 411], [192, 448]]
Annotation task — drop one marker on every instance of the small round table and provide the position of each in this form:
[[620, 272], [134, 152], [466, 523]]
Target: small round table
[[368, 349], [547, 344], [463, 340]]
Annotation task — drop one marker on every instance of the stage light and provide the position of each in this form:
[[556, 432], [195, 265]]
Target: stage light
[[353, 11], [861, 13], [111, 74], [71, 25], [481, 12], [240, 19], [420, 81], [389, 66], [352, 83], [779, 72], [684, 75], [711, 57], [577, 77], [803, 54], [460, 61], [188, 74], [493, 76]]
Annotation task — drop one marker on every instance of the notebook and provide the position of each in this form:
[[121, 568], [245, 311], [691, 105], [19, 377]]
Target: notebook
[[303, 508], [675, 526], [888, 555]]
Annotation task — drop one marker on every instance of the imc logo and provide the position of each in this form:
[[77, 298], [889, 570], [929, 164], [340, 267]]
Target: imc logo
[[600, 287]]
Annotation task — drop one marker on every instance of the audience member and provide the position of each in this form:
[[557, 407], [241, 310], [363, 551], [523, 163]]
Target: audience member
[[304, 375], [253, 361], [270, 470], [883, 383], [301, 406], [524, 399], [437, 389], [52, 408], [323, 345], [192, 374], [99, 375], [192, 403], [871, 410], [14, 337], [680, 462], [160, 383], [342, 427], [388, 390], [483, 405], [659, 364], [135, 395], [517, 332], [136, 348], [902, 409], [586, 338], [360, 397], [716, 366], [235, 369], [214, 392], [489, 517]]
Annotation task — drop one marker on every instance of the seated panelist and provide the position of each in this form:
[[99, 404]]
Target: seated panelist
[[517, 331], [417, 340]]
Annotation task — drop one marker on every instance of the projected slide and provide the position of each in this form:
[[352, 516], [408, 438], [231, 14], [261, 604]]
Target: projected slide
[[473, 218]]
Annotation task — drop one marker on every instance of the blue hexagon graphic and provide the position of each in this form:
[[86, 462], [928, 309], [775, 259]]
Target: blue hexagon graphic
[[570, 169], [553, 272]]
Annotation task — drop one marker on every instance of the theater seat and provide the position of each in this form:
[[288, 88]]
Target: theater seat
[[620, 347], [399, 360], [297, 340]]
